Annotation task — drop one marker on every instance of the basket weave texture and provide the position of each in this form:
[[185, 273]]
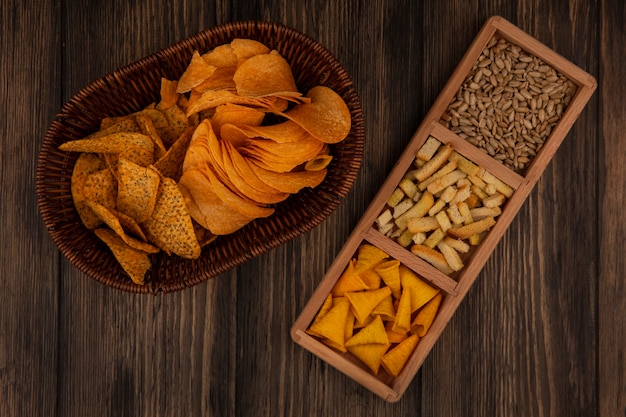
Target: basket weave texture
[[135, 86]]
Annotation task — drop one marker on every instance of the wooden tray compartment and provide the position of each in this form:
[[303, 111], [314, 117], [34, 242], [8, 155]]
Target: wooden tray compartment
[[455, 285], [383, 384]]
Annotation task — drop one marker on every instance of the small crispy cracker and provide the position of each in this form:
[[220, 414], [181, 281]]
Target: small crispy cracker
[[432, 256], [474, 228], [436, 162]]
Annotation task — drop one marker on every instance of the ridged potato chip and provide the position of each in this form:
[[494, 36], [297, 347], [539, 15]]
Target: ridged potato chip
[[326, 116]]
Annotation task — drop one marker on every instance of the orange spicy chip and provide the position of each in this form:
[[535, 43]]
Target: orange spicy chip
[[327, 117], [113, 143], [146, 125], [170, 226], [196, 72], [385, 309], [370, 354], [265, 75], [211, 99], [421, 292], [207, 208], [368, 257], [129, 225], [247, 48], [171, 164], [389, 271], [230, 113], [287, 182], [362, 303], [287, 131], [116, 125], [348, 281], [86, 164], [101, 187], [177, 121], [110, 218], [394, 360], [292, 153], [402, 322], [373, 332], [318, 163], [137, 190], [202, 148], [239, 180], [238, 203], [243, 168], [425, 317], [135, 262], [169, 96], [333, 324]]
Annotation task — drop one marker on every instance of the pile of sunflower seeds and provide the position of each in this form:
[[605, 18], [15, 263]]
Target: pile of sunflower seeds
[[509, 104]]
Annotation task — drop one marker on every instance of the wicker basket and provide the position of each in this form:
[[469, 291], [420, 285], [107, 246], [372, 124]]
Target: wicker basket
[[136, 85]]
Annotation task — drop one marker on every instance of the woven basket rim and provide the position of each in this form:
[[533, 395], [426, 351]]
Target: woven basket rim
[[134, 86]]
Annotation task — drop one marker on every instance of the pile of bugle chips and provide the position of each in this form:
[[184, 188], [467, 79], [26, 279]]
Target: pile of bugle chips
[[229, 139], [378, 310]]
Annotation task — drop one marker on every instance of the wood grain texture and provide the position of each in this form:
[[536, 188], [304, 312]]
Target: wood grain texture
[[541, 332], [611, 268], [29, 262]]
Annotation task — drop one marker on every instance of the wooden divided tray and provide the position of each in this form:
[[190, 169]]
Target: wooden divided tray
[[505, 111]]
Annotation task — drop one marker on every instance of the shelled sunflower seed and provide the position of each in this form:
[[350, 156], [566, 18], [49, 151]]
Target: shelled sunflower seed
[[509, 104]]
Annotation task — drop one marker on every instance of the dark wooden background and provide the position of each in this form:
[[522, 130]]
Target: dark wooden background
[[541, 333]]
